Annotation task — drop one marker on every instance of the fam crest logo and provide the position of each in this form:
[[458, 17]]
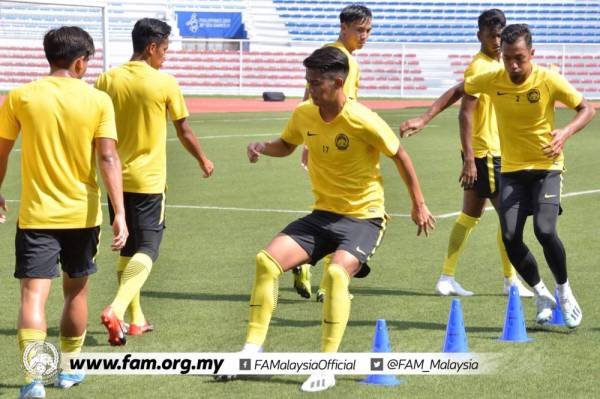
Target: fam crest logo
[[342, 142], [40, 360], [533, 95]]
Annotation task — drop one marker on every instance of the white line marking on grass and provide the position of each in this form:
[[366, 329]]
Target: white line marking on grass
[[227, 136], [273, 210], [575, 194], [240, 120]]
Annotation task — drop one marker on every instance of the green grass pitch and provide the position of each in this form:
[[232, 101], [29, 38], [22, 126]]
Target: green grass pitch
[[198, 292]]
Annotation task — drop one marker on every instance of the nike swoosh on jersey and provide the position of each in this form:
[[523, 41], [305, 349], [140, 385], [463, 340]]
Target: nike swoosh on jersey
[[550, 196]]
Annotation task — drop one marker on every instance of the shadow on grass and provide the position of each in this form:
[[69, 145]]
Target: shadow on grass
[[551, 329], [50, 332], [392, 324], [256, 378], [203, 296], [7, 386]]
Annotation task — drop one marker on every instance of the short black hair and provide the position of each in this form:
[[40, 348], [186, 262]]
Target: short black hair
[[65, 44], [328, 60], [514, 32], [355, 12], [147, 31], [493, 18]]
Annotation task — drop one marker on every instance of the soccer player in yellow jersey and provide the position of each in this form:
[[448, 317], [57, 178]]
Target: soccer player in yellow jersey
[[355, 28], [65, 125], [142, 97], [523, 95], [345, 140], [480, 174]]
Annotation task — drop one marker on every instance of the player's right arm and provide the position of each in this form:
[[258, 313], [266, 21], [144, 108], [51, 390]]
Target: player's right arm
[[304, 157], [468, 175], [110, 170], [420, 213], [415, 125], [275, 148], [5, 148], [280, 147], [9, 131]]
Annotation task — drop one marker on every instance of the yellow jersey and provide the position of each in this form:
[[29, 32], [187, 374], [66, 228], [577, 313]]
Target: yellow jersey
[[485, 138], [142, 96], [525, 114], [344, 157], [59, 119], [352, 81]]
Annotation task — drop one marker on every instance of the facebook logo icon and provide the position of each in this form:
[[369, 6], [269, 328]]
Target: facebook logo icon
[[245, 364]]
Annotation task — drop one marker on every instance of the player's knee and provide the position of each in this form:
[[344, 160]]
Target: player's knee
[[511, 237], [545, 232], [265, 264], [338, 276], [150, 251]]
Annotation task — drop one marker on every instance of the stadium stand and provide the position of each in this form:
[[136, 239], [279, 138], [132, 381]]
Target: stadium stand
[[445, 22], [417, 48]]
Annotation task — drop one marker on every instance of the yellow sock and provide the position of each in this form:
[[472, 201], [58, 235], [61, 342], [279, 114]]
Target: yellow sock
[[324, 280], [26, 336], [135, 307], [133, 278], [263, 301], [70, 347], [507, 267], [336, 308], [458, 237], [135, 310]]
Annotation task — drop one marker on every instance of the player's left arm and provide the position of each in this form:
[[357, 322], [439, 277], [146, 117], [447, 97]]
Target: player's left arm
[[5, 148], [585, 113], [190, 142], [420, 213]]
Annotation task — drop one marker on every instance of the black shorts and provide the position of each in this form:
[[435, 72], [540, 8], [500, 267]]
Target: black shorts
[[145, 216], [488, 176], [526, 189], [39, 251], [321, 233]]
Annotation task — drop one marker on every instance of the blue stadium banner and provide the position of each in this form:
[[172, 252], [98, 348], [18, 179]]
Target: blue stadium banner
[[227, 25]]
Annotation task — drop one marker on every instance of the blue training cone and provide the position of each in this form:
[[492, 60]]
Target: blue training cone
[[381, 344], [514, 324], [557, 316], [456, 337]]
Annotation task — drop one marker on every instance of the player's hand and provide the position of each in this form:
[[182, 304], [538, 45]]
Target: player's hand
[[468, 176], [423, 219], [411, 126], [254, 151], [554, 149], [120, 232], [207, 167], [304, 159], [4, 209]]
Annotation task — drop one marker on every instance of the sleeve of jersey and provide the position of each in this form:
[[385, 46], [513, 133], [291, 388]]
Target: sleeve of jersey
[[175, 102], [291, 134], [564, 91], [382, 137], [106, 125], [101, 82], [478, 83], [469, 72], [9, 125]]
